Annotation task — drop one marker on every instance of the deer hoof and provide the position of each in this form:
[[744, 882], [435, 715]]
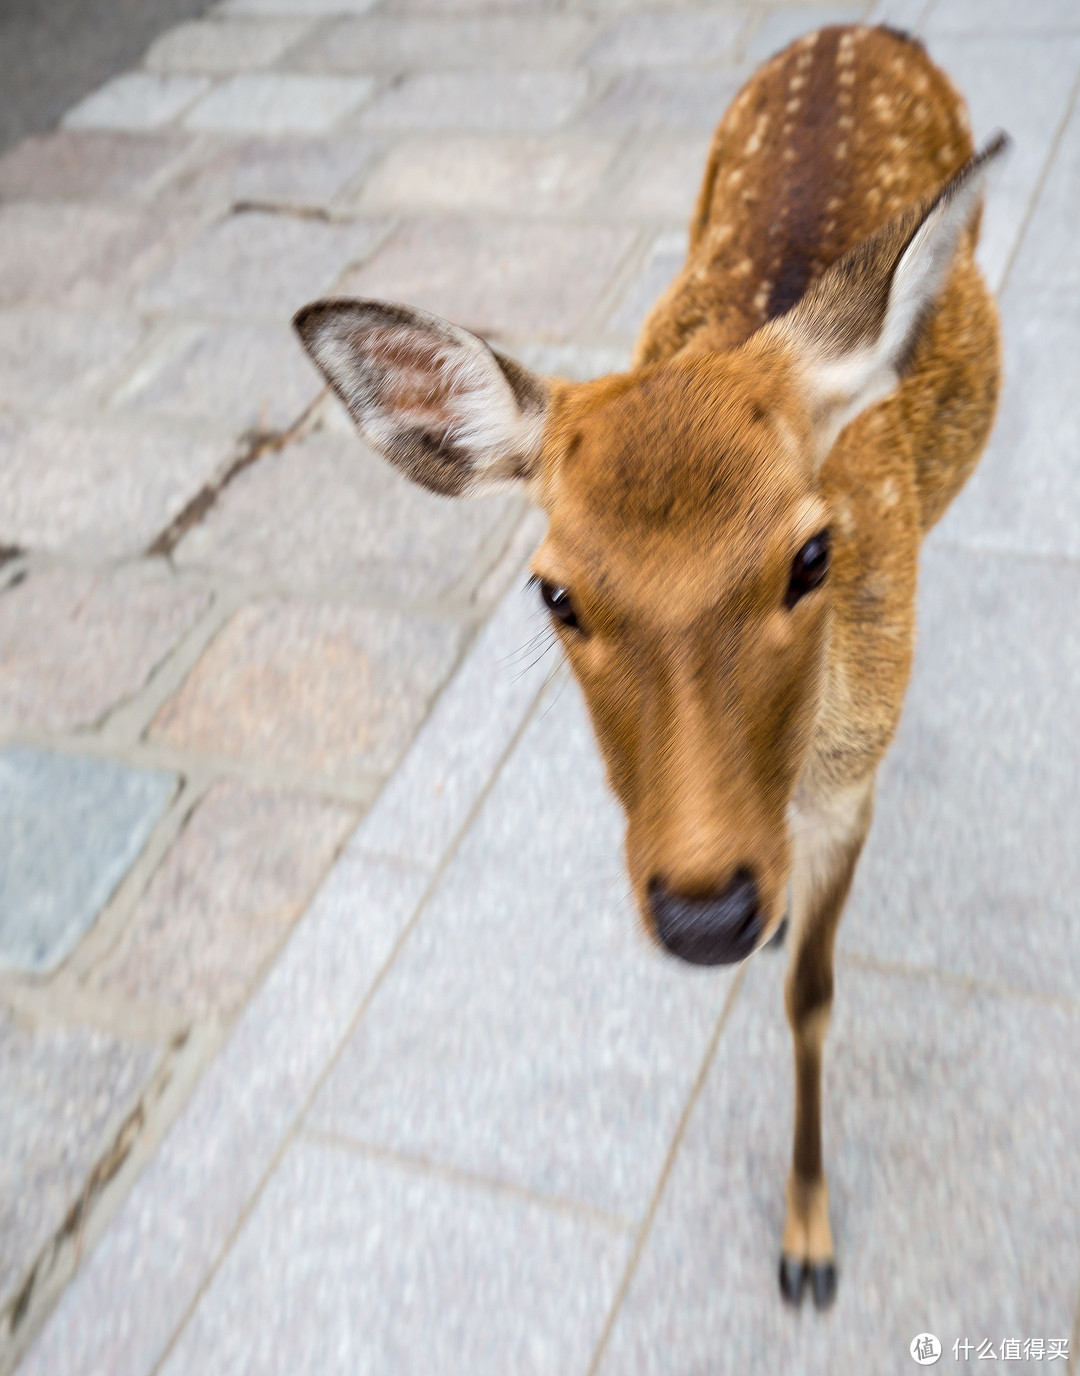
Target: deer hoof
[[793, 1273], [823, 1283]]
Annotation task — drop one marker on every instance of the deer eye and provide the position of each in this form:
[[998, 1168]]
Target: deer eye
[[809, 567], [558, 602]]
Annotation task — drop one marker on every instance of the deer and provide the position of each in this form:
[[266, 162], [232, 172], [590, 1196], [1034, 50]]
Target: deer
[[734, 523]]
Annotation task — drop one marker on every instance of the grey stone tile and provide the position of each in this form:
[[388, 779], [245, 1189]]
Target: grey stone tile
[[1047, 258], [63, 1092], [136, 100], [245, 377], [497, 278], [223, 46], [527, 1031], [316, 8], [279, 103], [130, 1295], [990, 16], [75, 643], [386, 46], [280, 171], [70, 828], [664, 184], [47, 356], [665, 259], [665, 98], [665, 39], [257, 264], [1023, 85], [1026, 488], [366, 1266], [429, 798], [88, 162], [949, 1125], [531, 101], [972, 865], [578, 362], [97, 489], [781, 27], [327, 511]]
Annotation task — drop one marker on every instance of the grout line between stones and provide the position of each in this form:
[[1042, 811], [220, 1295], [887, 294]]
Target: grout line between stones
[[967, 983]]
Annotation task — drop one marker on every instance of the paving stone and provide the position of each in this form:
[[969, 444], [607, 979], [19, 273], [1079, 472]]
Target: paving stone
[[136, 100], [65, 1091], [949, 1118], [75, 643], [666, 40], [133, 1291], [782, 27], [96, 489], [664, 185], [496, 278], [1023, 85], [517, 175], [279, 103], [220, 47], [224, 899], [578, 362], [70, 828], [47, 356], [971, 865], [665, 259], [258, 264], [327, 512], [1046, 255], [1023, 494], [386, 46], [72, 253], [328, 689], [527, 1031], [316, 8], [978, 17], [464, 7], [249, 377], [479, 1284], [675, 98], [504, 102], [278, 171], [88, 162]]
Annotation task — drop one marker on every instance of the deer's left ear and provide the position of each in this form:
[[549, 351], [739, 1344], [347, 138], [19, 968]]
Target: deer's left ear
[[856, 330], [443, 407]]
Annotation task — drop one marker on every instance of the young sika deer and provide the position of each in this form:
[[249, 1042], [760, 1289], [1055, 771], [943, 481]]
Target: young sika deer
[[734, 524]]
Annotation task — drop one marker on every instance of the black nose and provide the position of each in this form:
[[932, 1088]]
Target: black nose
[[718, 929]]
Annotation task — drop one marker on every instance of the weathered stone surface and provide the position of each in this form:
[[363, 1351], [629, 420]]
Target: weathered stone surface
[[65, 1092], [327, 512], [258, 265], [664, 39], [507, 278], [88, 162], [664, 184], [977, 17], [48, 355], [247, 377], [782, 27], [70, 828], [74, 644], [92, 488], [665, 99], [313, 8], [510, 102], [277, 171], [503, 174], [663, 262], [329, 689], [1045, 259], [224, 899], [136, 100], [279, 103], [223, 46]]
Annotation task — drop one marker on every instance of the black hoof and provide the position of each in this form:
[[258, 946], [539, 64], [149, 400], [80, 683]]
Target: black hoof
[[775, 942], [823, 1283], [793, 1275]]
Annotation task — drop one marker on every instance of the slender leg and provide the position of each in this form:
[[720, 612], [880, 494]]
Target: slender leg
[[827, 838]]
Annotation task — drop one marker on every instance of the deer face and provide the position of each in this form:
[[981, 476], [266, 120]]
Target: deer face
[[686, 561]]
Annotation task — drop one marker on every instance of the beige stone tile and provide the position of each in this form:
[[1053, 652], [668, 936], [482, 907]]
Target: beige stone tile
[[48, 355], [70, 163], [287, 170], [136, 100], [665, 182], [279, 103], [506, 102], [223, 46]]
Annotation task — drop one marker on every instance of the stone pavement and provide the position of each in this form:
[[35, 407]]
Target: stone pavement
[[328, 1043]]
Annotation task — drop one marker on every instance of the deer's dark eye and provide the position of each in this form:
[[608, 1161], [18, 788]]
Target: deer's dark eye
[[558, 602], [809, 567]]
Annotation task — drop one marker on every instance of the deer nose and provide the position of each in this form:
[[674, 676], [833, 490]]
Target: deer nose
[[717, 929]]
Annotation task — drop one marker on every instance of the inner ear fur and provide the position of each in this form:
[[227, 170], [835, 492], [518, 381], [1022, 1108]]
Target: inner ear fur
[[855, 332], [437, 401]]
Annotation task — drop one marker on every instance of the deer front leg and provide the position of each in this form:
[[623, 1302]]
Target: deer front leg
[[827, 838]]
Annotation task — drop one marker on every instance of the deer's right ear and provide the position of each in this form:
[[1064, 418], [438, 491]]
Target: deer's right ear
[[443, 407]]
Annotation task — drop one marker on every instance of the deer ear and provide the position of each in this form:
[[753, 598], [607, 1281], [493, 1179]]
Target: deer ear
[[856, 330], [450, 412]]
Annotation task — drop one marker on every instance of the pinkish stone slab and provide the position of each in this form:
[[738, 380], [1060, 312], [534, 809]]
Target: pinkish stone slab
[[75, 643], [70, 163], [48, 355], [224, 899], [280, 171], [332, 689]]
